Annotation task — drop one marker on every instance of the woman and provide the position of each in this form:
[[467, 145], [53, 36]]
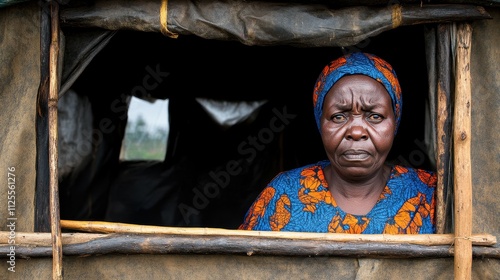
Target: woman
[[357, 106]]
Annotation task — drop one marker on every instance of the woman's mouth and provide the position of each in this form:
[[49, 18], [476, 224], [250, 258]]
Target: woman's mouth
[[356, 155]]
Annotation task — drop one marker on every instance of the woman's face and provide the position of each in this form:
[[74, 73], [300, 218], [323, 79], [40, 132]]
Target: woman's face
[[357, 126]]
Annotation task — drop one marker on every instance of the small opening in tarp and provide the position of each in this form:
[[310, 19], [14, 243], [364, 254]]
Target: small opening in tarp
[[147, 130], [211, 172]]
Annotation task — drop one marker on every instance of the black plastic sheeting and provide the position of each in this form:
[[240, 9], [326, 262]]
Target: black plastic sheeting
[[211, 174], [264, 23], [258, 23]]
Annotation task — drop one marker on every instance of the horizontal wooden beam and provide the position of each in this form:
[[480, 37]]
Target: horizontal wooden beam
[[31, 245], [419, 239]]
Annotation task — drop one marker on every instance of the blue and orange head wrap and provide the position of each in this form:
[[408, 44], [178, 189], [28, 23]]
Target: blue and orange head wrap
[[358, 63]]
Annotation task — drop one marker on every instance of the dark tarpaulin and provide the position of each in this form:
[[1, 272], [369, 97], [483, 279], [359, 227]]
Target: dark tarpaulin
[[19, 81], [263, 23], [81, 48], [4, 3], [260, 23]]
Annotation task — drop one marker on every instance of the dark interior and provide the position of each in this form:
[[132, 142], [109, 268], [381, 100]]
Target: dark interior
[[212, 174]]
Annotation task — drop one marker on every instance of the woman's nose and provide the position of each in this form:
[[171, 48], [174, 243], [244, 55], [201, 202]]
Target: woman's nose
[[356, 133]]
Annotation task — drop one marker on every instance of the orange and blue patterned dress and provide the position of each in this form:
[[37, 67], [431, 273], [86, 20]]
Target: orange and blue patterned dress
[[299, 200]]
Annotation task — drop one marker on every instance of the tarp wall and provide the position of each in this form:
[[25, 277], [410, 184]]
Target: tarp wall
[[19, 80], [485, 75], [245, 267]]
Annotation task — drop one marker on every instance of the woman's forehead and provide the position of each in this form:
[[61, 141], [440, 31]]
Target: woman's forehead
[[357, 79], [359, 87]]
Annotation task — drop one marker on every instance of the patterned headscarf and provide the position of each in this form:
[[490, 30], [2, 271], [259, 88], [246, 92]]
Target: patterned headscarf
[[358, 63]]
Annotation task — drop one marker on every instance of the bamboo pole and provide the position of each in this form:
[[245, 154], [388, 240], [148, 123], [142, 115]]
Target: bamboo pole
[[419, 239], [53, 139], [462, 156]]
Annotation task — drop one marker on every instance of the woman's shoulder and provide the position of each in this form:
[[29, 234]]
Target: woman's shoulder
[[416, 175]]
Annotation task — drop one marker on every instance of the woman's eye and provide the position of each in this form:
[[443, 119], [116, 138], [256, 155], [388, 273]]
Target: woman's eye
[[338, 118], [376, 118]]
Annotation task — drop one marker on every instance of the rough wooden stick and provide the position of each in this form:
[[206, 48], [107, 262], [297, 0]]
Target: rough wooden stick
[[91, 244], [53, 137], [420, 239], [462, 156], [44, 239], [42, 215], [443, 121]]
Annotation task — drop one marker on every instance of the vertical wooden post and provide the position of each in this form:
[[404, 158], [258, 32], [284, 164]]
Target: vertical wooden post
[[462, 156], [53, 139], [42, 215], [443, 121]]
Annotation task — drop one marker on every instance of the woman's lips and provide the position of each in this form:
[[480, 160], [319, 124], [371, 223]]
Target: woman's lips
[[356, 154]]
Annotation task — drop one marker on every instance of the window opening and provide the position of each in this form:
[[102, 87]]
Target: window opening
[[147, 130], [187, 180]]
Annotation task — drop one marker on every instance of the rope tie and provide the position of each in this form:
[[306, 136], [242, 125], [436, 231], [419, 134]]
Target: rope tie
[[397, 17], [463, 237], [163, 21]]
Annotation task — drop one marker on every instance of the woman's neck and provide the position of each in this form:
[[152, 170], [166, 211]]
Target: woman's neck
[[357, 197]]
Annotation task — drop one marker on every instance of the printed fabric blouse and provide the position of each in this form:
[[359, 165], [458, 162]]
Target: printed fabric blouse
[[299, 200]]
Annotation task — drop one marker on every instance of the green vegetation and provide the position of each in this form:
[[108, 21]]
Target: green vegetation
[[140, 142]]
